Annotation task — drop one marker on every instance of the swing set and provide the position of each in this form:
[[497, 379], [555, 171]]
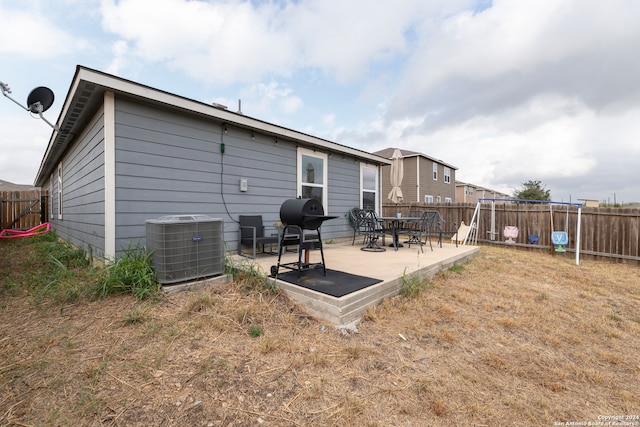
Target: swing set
[[559, 238]]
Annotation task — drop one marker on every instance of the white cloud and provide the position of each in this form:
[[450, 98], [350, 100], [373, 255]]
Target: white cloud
[[213, 42], [24, 140], [241, 41], [31, 34], [478, 63], [291, 104], [120, 51]]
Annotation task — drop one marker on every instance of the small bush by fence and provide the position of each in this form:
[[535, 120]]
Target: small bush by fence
[[22, 210], [604, 232]]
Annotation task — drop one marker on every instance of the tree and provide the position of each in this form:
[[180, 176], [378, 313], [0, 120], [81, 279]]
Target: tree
[[532, 190]]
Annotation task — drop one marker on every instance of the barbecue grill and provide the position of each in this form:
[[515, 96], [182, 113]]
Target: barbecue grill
[[298, 215]]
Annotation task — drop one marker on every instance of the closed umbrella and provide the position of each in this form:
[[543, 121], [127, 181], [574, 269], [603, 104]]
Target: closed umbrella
[[397, 171]]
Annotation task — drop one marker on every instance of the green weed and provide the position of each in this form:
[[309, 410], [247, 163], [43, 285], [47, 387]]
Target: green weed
[[255, 331], [130, 273], [412, 286], [249, 277], [456, 268], [57, 271], [62, 253], [135, 316]]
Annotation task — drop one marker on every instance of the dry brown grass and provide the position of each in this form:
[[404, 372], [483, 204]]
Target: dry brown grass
[[514, 338]]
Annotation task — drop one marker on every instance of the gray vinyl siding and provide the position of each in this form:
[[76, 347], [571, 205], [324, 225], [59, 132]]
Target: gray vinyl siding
[[82, 221], [164, 165], [170, 163], [343, 194]]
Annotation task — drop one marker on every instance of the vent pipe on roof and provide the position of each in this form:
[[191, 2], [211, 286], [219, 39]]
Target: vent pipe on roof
[[239, 106]]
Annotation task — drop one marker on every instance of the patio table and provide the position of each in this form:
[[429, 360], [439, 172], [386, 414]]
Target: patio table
[[396, 225]]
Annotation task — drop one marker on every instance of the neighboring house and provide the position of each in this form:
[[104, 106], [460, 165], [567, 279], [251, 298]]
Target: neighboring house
[[470, 193], [126, 153], [589, 203], [425, 179]]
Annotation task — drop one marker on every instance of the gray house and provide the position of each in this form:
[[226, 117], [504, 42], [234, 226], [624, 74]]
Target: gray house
[[126, 153], [426, 180]]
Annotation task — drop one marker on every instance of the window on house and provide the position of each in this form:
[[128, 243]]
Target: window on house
[[435, 171], [60, 190], [51, 196], [312, 176], [447, 200], [438, 199], [428, 198], [447, 175], [368, 186]]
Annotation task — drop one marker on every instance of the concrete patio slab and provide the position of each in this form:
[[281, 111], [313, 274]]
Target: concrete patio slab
[[392, 267]]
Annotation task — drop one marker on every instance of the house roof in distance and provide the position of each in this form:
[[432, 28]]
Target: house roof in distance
[[387, 153], [10, 186], [86, 94]]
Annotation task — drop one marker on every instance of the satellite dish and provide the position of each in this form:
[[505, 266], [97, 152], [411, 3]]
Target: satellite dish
[[40, 99]]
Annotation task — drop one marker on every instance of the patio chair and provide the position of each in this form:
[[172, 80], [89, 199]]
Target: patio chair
[[427, 226], [441, 228], [356, 219], [412, 225], [252, 232], [373, 229]]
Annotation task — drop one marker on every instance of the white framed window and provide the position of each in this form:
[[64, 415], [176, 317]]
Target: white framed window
[[51, 196], [447, 175], [435, 171], [428, 198], [368, 186], [60, 190], [447, 200], [312, 176], [438, 199]]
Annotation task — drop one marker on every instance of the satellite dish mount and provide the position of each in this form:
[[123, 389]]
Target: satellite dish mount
[[39, 100]]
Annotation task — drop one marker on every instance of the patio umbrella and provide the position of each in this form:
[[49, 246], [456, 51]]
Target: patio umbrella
[[397, 171]]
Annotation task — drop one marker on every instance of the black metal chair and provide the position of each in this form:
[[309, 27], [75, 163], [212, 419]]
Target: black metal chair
[[427, 226], [409, 225], [431, 224], [372, 228], [356, 219], [252, 232], [443, 229]]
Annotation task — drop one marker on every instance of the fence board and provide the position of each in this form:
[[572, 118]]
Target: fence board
[[27, 208], [607, 233]]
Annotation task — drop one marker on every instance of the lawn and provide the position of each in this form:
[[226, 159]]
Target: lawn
[[510, 338]]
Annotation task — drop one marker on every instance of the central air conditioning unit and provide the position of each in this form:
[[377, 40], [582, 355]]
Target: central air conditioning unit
[[186, 247]]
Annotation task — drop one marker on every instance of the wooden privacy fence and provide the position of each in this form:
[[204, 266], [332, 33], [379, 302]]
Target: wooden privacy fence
[[604, 232], [22, 210]]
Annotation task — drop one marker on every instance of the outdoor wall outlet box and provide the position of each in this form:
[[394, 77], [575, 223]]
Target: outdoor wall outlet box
[[243, 184]]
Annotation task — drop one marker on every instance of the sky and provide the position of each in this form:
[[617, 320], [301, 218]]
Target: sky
[[506, 91]]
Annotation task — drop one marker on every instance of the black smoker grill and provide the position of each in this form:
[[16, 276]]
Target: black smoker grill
[[298, 215]]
